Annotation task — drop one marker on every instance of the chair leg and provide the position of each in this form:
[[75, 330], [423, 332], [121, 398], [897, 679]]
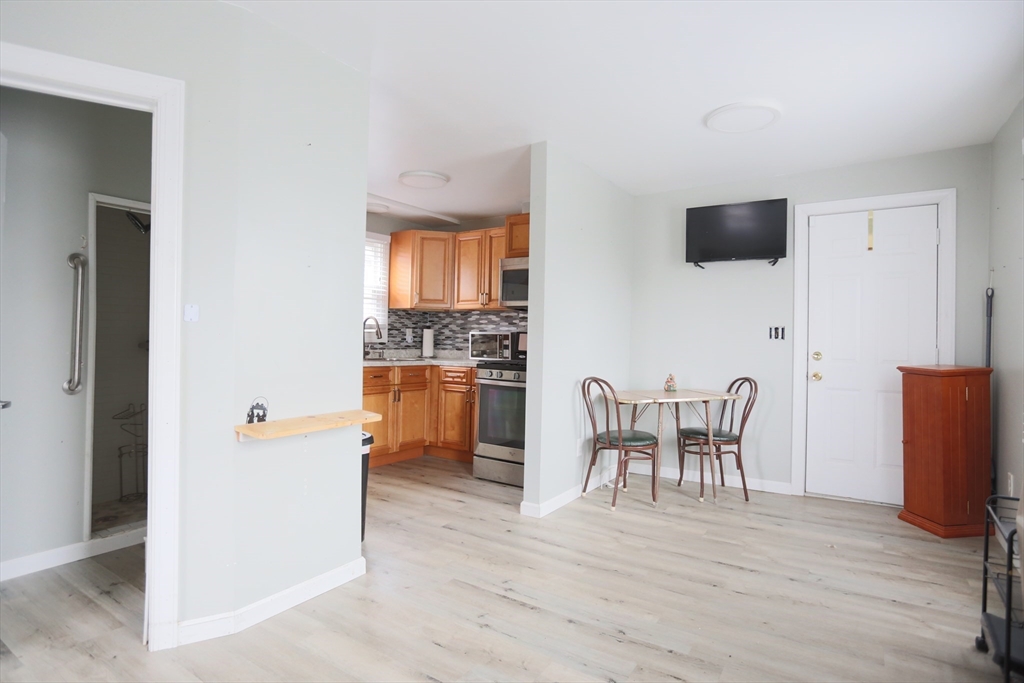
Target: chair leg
[[655, 454], [618, 473], [625, 473], [680, 445], [743, 477], [593, 461], [700, 460], [721, 467]]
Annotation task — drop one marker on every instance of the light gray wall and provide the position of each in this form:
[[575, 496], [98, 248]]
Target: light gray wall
[[272, 252], [709, 326], [581, 229], [121, 272], [59, 151], [1007, 254]]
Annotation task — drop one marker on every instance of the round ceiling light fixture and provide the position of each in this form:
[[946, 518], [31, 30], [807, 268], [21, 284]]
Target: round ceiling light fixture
[[374, 207], [425, 180], [742, 118]]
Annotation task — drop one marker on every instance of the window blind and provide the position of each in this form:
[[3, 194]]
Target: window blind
[[376, 258]]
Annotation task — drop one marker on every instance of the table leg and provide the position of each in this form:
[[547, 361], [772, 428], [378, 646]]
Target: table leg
[[656, 463], [632, 419], [711, 449]]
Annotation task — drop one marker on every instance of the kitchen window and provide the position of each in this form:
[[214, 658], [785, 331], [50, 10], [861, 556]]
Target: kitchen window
[[376, 257]]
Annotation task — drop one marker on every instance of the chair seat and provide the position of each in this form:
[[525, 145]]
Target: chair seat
[[701, 434], [631, 438]]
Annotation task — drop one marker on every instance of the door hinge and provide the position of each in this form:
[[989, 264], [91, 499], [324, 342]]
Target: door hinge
[[938, 236]]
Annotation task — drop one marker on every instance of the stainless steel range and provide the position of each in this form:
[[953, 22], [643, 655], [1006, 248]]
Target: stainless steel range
[[501, 417]]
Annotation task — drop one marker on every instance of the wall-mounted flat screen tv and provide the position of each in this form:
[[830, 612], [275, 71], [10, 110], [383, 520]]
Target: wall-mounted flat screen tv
[[736, 232]]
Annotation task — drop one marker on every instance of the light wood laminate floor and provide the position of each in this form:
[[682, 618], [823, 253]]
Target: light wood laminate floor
[[461, 587]]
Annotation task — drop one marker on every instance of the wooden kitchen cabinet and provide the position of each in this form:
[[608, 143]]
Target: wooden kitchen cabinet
[[454, 415], [477, 269], [421, 270], [947, 441], [517, 230], [401, 394], [470, 255], [379, 399]]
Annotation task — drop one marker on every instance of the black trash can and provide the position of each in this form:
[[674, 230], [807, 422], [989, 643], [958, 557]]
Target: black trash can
[[367, 442]]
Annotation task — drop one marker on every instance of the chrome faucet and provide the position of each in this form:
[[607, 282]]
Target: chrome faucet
[[380, 335]]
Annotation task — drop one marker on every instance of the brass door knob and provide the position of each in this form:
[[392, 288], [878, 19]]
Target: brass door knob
[[816, 376], [816, 355]]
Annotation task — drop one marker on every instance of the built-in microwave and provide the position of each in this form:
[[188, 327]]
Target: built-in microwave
[[515, 282], [503, 346]]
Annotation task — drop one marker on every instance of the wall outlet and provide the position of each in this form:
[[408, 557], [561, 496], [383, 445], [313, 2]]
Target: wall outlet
[[408, 335]]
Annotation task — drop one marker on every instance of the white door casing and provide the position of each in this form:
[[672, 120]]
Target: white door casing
[[871, 307], [56, 74], [945, 206]]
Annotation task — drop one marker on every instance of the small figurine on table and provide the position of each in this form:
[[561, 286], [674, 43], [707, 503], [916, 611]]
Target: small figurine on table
[[670, 383]]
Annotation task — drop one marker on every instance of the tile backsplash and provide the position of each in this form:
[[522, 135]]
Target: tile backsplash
[[451, 328]]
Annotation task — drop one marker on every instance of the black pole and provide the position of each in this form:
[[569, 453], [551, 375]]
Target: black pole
[[989, 293]]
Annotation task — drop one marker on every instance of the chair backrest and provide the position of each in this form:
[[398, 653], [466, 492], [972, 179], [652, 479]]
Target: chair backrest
[[746, 387], [592, 386]]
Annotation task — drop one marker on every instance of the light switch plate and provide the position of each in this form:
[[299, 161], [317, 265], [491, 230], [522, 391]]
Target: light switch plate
[[191, 313]]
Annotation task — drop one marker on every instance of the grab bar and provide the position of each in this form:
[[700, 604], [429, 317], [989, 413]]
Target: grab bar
[[74, 384]]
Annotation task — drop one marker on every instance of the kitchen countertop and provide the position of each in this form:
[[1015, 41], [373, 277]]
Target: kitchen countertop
[[448, 362]]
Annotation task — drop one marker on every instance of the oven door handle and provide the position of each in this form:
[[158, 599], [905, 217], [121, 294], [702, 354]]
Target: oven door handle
[[501, 383]]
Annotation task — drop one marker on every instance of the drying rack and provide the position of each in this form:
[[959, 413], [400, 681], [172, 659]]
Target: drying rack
[[135, 452]]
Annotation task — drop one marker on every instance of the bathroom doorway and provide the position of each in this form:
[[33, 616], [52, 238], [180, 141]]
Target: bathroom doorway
[[118, 362]]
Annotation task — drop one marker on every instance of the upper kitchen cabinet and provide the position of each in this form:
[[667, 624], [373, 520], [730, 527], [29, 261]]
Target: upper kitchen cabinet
[[421, 270], [477, 276], [517, 229]]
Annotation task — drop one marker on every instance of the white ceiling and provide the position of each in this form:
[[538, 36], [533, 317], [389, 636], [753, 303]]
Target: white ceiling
[[463, 87]]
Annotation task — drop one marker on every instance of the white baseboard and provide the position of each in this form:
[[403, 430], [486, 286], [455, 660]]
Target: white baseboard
[[732, 480], [552, 504], [20, 566], [195, 630]]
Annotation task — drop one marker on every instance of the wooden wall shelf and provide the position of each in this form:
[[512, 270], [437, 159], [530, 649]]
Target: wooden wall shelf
[[293, 426]]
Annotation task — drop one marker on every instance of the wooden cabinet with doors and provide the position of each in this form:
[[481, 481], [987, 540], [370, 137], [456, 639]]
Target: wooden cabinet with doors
[[413, 407], [402, 396], [517, 229], [378, 396], [947, 441], [456, 399], [421, 270], [477, 272]]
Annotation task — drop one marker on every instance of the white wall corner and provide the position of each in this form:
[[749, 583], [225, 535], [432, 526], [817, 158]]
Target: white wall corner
[[550, 505], [205, 628]]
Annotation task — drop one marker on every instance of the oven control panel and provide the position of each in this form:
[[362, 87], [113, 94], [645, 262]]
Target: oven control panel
[[505, 375]]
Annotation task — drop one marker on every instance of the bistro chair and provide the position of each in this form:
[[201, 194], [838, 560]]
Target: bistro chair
[[694, 440], [630, 444]]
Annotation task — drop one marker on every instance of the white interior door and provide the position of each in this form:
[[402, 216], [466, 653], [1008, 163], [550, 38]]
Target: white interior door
[[872, 301], [42, 433]]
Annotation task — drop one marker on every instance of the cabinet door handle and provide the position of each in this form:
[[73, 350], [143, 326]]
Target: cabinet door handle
[[399, 391], [376, 376]]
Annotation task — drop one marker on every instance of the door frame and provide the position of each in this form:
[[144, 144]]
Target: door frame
[[945, 200], [56, 74], [95, 201]]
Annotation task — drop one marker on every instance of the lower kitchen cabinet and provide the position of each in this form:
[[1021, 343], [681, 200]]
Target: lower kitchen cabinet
[[423, 409], [455, 416], [379, 399], [412, 413], [402, 396]]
